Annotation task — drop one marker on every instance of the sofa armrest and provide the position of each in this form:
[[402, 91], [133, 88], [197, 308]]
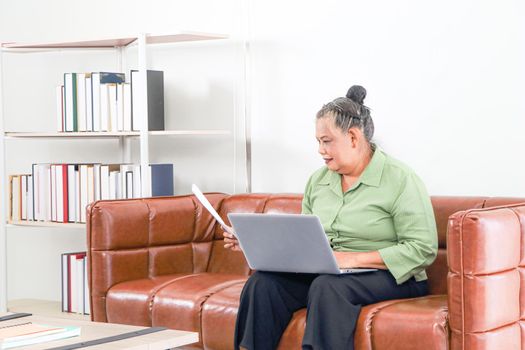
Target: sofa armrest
[[484, 280], [143, 238]]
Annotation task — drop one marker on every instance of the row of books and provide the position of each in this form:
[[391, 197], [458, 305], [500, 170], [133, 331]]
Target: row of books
[[61, 192], [75, 288], [103, 101]]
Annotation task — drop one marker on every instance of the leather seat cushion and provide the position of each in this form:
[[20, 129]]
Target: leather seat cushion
[[130, 302], [409, 324], [221, 309], [179, 305], [419, 323]]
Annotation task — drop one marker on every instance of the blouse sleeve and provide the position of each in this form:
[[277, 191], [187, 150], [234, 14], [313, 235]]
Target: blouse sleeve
[[306, 205], [415, 227]]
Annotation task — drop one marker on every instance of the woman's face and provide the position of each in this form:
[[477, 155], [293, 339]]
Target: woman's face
[[338, 148]]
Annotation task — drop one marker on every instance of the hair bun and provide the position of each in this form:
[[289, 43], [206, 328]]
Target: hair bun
[[356, 93]]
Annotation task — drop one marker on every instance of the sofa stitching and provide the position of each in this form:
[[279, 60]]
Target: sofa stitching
[[195, 213], [517, 267], [149, 236], [462, 279], [211, 292], [462, 272], [88, 253], [157, 289], [370, 321]]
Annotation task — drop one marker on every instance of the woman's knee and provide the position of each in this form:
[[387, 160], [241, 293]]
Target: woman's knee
[[260, 282], [324, 284]]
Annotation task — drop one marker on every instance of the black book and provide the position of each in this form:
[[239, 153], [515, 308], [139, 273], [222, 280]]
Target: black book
[[155, 83]]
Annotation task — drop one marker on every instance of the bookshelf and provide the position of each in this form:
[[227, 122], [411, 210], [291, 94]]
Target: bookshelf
[[140, 43]]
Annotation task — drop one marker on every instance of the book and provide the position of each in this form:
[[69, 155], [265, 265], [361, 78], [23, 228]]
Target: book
[[155, 100], [99, 98], [70, 102], [28, 333], [14, 193], [89, 103], [161, 180], [81, 102]]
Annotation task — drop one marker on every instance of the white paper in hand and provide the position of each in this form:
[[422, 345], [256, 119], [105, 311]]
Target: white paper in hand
[[197, 192]]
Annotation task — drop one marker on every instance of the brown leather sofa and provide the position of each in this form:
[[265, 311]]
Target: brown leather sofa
[[161, 262]]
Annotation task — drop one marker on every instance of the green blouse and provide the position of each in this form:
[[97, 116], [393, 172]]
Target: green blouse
[[387, 209]]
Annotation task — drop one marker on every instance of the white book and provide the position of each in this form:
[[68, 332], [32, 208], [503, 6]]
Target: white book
[[97, 184], [60, 105], [15, 198], [77, 194], [36, 191], [91, 184], [127, 107], [87, 304], [128, 184], [89, 103], [23, 197], [59, 193], [84, 194], [65, 283], [80, 283], [120, 107], [119, 186], [104, 108], [30, 198], [73, 282], [71, 193], [112, 98], [95, 101], [104, 182], [44, 192], [69, 97], [81, 102], [53, 193], [113, 184]]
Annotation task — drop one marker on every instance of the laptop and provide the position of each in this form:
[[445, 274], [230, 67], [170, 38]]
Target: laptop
[[286, 243]]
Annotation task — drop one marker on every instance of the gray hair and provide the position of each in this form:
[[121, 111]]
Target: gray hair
[[349, 112]]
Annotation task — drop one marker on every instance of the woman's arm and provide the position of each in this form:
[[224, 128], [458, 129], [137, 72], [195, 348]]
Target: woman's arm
[[360, 259]]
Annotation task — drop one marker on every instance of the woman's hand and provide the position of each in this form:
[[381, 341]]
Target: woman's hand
[[346, 260], [230, 242]]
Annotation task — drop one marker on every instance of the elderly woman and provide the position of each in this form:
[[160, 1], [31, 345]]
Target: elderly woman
[[376, 214]]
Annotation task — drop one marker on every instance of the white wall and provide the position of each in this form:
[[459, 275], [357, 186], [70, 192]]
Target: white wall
[[445, 82]]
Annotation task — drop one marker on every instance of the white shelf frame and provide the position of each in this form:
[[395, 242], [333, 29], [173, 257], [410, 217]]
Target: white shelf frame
[[3, 196], [46, 224], [179, 36], [106, 134], [143, 40]]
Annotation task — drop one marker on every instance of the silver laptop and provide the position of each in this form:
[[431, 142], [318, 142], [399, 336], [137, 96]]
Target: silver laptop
[[286, 243]]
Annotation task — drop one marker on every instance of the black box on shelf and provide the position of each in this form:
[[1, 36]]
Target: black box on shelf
[[155, 84]]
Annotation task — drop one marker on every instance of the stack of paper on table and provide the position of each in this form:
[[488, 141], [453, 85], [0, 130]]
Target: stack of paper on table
[[27, 333]]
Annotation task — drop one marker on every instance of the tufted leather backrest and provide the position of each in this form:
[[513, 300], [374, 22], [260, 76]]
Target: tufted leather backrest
[[142, 238], [486, 293], [444, 206]]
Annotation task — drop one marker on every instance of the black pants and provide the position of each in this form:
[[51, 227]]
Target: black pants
[[333, 303]]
